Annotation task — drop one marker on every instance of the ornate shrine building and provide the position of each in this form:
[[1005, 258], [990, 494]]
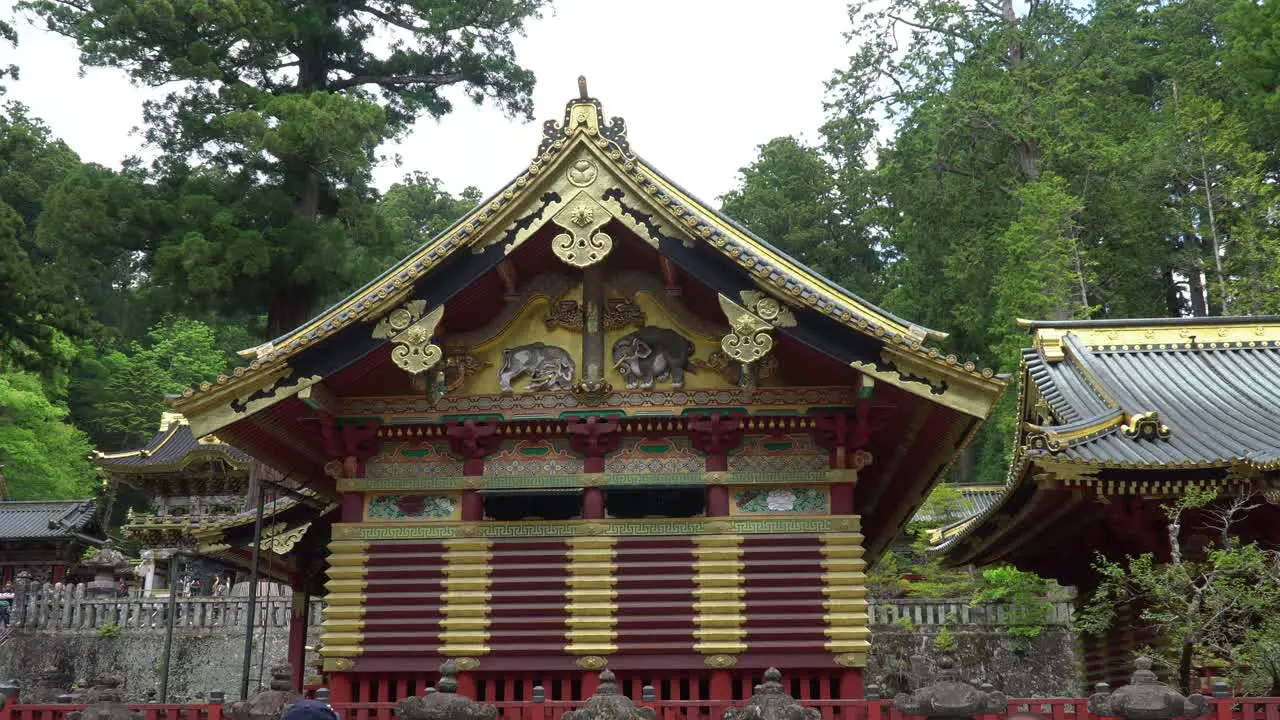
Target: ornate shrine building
[[202, 497], [1117, 419], [597, 424]]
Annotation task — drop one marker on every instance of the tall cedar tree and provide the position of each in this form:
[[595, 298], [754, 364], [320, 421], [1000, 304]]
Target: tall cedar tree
[[269, 142]]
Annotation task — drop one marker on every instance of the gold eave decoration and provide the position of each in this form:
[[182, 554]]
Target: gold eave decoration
[[1145, 426], [410, 332], [749, 337]]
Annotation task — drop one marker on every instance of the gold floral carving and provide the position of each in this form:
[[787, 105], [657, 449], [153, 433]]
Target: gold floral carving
[[334, 469], [589, 394], [410, 332], [851, 660], [731, 370], [466, 664], [721, 662], [592, 662], [619, 313], [582, 173], [458, 366], [749, 336], [583, 245]]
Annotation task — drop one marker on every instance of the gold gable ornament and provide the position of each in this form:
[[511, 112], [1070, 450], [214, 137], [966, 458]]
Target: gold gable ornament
[[584, 244], [749, 337], [410, 332], [1145, 425]]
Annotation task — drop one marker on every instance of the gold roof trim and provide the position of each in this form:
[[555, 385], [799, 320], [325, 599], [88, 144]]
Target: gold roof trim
[[1242, 332], [584, 124]]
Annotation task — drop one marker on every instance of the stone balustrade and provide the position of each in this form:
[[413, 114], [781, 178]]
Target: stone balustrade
[[58, 607], [54, 606]]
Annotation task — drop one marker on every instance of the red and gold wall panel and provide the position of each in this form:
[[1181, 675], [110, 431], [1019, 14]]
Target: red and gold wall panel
[[632, 595]]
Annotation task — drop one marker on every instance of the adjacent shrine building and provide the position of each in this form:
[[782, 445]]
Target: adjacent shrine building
[[597, 424], [1118, 418]]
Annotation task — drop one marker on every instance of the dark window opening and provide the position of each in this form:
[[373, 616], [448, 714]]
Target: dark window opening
[[657, 503], [533, 506]]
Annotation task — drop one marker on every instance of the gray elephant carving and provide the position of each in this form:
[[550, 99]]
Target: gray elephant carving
[[548, 367], [650, 354]]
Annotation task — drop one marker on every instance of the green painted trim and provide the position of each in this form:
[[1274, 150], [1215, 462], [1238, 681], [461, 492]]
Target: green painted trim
[[592, 413], [607, 528], [718, 411], [472, 416], [617, 480]]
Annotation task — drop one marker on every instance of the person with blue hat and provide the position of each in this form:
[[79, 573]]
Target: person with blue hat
[[310, 710]]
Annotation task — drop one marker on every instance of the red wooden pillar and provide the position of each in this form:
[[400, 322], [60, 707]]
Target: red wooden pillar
[[340, 688], [590, 681], [851, 684], [717, 501], [58, 571], [472, 505], [467, 684], [299, 614], [592, 503], [721, 685]]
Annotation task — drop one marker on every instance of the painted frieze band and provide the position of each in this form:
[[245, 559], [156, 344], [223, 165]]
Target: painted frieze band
[[607, 480], [605, 528]]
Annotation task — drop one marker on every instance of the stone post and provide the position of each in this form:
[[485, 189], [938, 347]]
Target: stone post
[[608, 703], [949, 698], [1146, 698], [444, 703], [770, 702]]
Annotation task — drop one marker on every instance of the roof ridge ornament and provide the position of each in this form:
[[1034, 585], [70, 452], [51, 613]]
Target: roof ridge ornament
[[585, 114]]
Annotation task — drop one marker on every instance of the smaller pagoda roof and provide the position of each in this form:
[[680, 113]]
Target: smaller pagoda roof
[[41, 519], [173, 448], [1136, 408]]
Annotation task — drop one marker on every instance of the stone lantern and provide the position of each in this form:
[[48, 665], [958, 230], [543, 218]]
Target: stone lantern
[[770, 702], [105, 702], [444, 703], [108, 566], [1146, 698], [271, 703], [608, 703], [950, 698]]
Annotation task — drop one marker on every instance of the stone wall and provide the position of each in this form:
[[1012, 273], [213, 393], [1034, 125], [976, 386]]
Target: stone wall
[[1043, 667]]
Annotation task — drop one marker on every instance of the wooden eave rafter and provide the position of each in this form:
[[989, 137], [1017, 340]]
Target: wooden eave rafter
[[660, 213]]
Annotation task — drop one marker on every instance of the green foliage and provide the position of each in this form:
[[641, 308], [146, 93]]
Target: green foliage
[[788, 197], [109, 631], [43, 456], [268, 144], [1218, 604], [418, 208], [1025, 596], [120, 395], [944, 641], [915, 572]]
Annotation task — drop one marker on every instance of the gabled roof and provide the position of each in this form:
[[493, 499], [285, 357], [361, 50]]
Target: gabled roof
[[38, 519], [173, 448], [1136, 408], [684, 229]]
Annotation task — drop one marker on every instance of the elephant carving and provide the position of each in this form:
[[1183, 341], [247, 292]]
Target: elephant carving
[[651, 354], [548, 367]]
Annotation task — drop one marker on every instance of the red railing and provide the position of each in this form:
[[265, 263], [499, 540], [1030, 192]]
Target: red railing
[[1231, 708]]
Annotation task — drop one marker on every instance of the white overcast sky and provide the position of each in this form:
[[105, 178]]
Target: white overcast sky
[[700, 83]]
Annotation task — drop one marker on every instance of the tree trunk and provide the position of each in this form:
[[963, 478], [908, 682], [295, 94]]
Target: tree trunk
[[1195, 281], [288, 308], [1172, 294], [1184, 668]]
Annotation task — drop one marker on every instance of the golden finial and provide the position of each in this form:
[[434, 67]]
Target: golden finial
[[582, 87]]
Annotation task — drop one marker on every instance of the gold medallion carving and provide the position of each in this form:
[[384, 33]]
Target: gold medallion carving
[[338, 664], [721, 662], [466, 664], [749, 336], [592, 662], [583, 245], [410, 332], [582, 173], [768, 308], [851, 660]]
